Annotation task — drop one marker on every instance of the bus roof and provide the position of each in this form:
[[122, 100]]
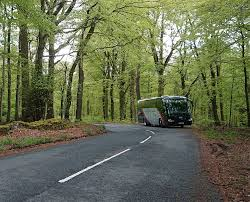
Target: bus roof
[[152, 98], [174, 97]]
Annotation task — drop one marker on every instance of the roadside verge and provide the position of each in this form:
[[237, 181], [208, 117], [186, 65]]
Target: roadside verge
[[21, 136], [225, 157]]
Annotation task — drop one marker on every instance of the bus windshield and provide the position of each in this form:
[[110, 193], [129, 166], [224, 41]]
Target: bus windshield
[[177, 106]]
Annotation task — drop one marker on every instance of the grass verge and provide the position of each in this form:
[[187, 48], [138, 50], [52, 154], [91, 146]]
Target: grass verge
[[44, 132]]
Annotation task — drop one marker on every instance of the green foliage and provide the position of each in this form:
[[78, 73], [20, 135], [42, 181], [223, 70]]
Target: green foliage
[[49, 124], [214, 134], [29, 141], [92, 119], [4, 129], [18, 143], [203, 34]]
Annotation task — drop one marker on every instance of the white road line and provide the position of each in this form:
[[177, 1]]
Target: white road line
[[151, 131], [145, 140], [90, 167]]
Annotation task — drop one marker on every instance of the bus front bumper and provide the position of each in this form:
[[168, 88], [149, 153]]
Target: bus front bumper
[[179, 122]]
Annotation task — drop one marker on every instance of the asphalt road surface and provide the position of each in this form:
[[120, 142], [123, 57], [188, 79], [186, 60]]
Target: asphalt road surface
[[129, 163]]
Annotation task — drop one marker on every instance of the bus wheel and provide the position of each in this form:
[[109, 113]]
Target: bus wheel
[[160, 123], [145, 123], [182, 126]]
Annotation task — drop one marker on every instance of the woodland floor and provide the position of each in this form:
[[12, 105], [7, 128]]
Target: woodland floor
[[22, 138], [225, 156]]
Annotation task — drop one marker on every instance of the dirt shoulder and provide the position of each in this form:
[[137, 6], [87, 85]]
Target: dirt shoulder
[[19, 137], [225, 157]]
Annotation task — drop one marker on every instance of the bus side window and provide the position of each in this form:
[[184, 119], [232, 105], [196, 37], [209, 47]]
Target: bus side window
[[166, 106]]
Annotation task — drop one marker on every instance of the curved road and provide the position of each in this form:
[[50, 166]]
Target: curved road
[[129, 163]]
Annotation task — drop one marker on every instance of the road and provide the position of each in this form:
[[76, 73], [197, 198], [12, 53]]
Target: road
[[129, 163]]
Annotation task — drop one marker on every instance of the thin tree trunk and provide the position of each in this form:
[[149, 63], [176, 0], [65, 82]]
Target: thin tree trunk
[[183, 78], [83, 43], [138, 82], [106, 77], [17, 90], [3, 73], [63, 92], [213, 97], [80, 90], [105, 99], [204, 79], [132, 96], [88, 107], [220, 92], [231, 102], [161, 67], [245, 76], [161, 80], [122, 91], [69, 86], [50, 99], [9, 70], [24, 62], [183, 84], [112, 103]]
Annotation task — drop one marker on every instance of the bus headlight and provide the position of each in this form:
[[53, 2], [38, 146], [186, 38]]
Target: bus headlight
[[190, 119], [170, 120]]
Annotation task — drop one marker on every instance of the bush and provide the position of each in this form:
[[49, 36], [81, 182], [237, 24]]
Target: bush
[[4, 129], [50, 124]]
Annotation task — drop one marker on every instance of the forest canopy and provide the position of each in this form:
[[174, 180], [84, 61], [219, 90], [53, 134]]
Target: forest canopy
[[91, 59]]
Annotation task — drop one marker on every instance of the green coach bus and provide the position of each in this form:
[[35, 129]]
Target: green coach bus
[[165, 111]]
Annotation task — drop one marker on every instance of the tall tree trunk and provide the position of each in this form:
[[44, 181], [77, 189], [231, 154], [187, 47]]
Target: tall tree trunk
[[231, 102], [17, 91], [80, 90], [39, 91], [161, 67], [105, 99], [63, 91], [149, 86], [132, 96], [113, 70], [69, 86], [106, 78], [51, 69], [88, 107], [38, 82], [245, 76], [9, 70], [213, 97], [204, 79], [183, 84], [3, 73], [83, 43], [25, 80], [138, 82], [218, 70], [122, 91], [112, 103], [183, 78], [161, 80]]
